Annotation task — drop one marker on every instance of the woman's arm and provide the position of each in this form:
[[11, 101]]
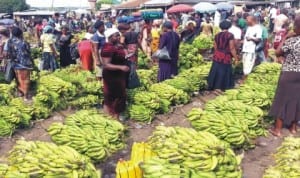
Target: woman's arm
[[233, 50], [109, 66]]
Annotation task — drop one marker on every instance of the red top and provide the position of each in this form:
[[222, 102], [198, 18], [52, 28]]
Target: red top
[[222, 53]]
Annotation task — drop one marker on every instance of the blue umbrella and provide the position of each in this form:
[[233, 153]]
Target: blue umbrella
[[7, 21], [224, 6], [205, 7]]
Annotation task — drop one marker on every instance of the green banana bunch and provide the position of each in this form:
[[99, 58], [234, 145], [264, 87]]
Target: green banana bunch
[[147, 77], [85, 102], [156, 167], [40, 111], [268, 68], [6, 128], [57, 85], [148, 99], [179, 83], [175, 96], [143, 60], [141, 113], [90, 133], [196, 76], [189, 57], [251, 115], [199, 151], [287, 160], [6, 92], [41, 159], [224, 125]]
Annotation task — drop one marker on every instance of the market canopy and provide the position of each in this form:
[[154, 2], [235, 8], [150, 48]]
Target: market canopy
[[205, 7], [158, 3], [224, 6], [180, 8]]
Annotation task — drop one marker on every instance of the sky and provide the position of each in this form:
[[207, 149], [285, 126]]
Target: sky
[[58, 3]]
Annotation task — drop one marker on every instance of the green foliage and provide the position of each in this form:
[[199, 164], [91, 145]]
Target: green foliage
[[10, 6]]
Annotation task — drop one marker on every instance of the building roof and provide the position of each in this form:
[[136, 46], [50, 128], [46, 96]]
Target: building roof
[[134, 4]]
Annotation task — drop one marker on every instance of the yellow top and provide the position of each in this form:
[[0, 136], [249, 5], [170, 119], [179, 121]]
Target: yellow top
[[47, 40]]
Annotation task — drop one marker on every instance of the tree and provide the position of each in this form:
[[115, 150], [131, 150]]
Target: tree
[[98, 5], [10, 6]]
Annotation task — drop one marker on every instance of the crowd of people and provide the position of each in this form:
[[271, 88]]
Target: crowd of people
[[108, 47]]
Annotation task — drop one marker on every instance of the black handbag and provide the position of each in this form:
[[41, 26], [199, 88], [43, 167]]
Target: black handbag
[[133, 80], [9, 71]]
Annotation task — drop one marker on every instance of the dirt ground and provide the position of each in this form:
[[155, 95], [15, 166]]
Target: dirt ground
[[254, 163]]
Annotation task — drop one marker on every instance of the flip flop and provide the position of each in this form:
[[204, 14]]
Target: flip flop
[[274, 133]]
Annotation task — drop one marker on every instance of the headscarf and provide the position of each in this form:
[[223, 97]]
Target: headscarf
[[191, 22], [109, 32]]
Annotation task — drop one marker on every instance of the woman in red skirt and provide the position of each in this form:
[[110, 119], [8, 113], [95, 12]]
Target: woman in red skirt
[[114, 74], [85, 52]]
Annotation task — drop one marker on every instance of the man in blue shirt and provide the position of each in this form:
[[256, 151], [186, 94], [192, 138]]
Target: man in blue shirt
[[98, 41]]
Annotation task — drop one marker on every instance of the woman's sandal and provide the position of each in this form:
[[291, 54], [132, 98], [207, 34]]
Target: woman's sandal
[[274, 133]]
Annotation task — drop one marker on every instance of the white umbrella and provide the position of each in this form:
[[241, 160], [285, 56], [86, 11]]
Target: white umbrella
[[205, 7]]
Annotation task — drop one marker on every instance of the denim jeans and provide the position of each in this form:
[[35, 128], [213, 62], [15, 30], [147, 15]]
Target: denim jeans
[[261, 56], [48, 62]]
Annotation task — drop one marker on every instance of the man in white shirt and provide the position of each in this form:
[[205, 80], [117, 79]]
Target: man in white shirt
[[217, 19], [237, 33], [252, 37]]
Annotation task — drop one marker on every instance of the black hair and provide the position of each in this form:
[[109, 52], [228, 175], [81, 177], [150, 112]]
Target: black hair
[[16, 32], [225, 25]]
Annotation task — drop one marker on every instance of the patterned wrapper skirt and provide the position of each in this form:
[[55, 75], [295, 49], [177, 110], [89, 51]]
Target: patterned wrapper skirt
[[286, 104]]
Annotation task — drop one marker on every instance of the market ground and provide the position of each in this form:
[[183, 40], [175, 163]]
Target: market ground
[[254, 163]]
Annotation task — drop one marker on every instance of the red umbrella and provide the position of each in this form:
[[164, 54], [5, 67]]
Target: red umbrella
[[180, 8]]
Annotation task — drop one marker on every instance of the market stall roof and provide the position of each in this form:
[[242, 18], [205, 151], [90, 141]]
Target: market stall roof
[[33, 13], [135, 4], [158, 3]]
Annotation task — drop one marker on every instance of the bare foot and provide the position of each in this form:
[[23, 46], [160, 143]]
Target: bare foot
[[275, 132]]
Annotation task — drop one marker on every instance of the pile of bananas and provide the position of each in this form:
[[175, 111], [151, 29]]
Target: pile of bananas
[[201, 152], [143, 60], [57, 85], [249, 97], [286, 160], [140, 113], [147, 99], [203, 42], [268, 68], [6, 92], [225, 126], [250, 115], [180, 83], [41, 159], [189, 57], [14, 116], [175, 96], [6, 128], [147, 77], [90, 133], [196, 76], [85, 101]]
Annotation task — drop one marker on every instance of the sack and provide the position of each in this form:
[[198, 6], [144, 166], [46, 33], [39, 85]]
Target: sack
[[9, 71], [260, 46], [133, 80], [162, 54]]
